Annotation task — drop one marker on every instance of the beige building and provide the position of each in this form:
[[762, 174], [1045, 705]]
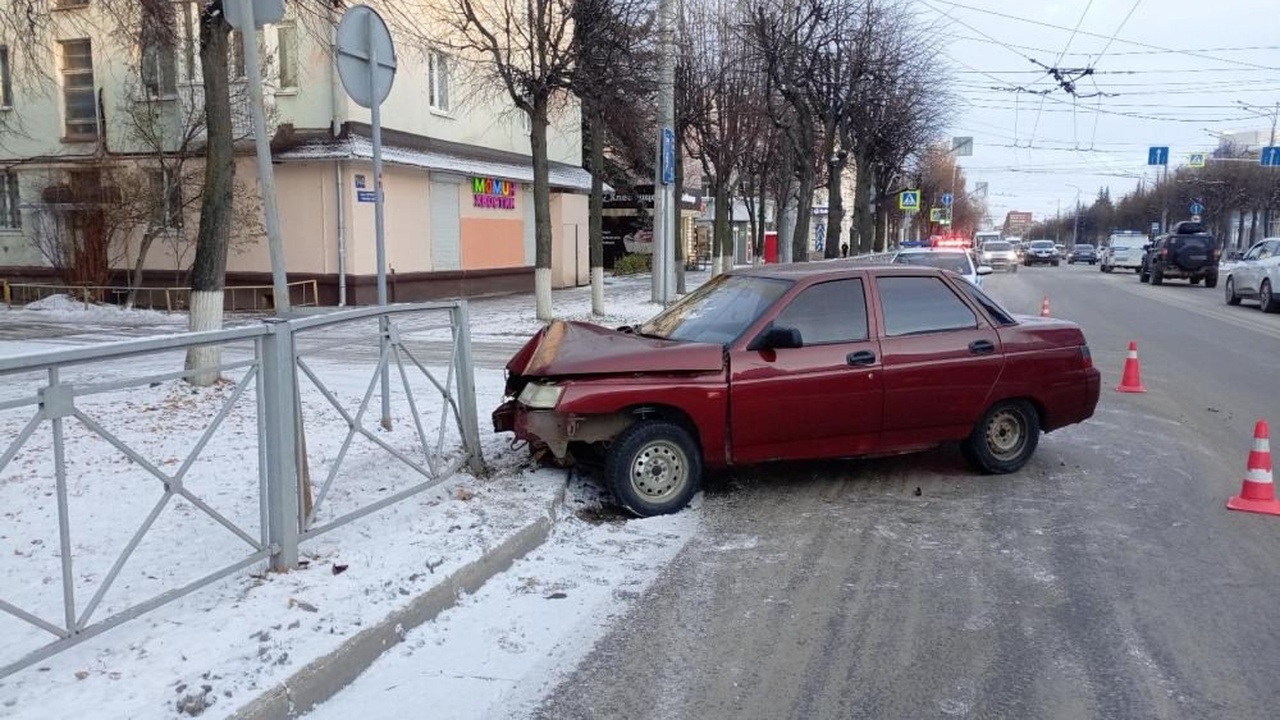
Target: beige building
[[457, 170]]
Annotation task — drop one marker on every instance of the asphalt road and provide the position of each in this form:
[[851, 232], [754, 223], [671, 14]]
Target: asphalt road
[[1105, 580]]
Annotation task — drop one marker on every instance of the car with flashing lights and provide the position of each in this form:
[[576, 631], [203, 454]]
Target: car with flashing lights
[[862, 360], [954, 260]]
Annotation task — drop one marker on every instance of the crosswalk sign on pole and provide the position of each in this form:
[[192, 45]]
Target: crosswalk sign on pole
[[1196, 160], [909, 200]]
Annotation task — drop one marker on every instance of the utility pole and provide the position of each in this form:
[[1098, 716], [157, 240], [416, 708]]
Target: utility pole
[[663, 270]]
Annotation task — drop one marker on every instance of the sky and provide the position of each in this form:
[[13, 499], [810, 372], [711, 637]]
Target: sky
[[1170, 73]]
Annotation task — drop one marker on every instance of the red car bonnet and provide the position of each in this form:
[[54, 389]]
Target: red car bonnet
[[578, 348]]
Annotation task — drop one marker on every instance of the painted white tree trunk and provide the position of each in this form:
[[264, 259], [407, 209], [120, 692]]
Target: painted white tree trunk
[[542, 293], [206, 314], [717, 265], [597, 291]]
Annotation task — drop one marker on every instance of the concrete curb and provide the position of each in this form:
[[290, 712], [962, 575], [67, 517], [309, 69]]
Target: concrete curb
[[324, 677]]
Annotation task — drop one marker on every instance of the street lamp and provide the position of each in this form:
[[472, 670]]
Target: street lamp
[[1272, 114], [1075, 233]]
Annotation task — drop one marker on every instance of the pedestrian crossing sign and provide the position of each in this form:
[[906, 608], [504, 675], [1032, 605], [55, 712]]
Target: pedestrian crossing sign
[[1196, 160], [909, 200]]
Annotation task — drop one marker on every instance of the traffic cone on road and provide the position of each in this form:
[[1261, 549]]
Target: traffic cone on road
[[1044, 307], [1131, 382], [1258, 492]]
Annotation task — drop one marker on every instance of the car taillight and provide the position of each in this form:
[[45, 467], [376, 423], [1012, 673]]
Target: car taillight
[[1086, 357], [1164, 252]]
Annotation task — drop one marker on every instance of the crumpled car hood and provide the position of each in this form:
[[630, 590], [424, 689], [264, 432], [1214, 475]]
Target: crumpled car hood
[[578, 348]]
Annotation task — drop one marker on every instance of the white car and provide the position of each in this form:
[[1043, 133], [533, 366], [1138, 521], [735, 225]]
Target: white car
[[1257, 276], [954, 259], [1000, 255], [1124, 250]]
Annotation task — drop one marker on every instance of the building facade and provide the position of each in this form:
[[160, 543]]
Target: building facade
[[120, 117]]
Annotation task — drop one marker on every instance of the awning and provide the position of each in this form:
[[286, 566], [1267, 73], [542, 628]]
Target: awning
[[356, 147]]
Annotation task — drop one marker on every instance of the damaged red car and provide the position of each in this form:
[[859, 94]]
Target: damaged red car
[[792, 362]]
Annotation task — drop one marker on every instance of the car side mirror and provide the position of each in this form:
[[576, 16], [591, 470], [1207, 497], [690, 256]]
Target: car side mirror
[[777, 337], [985, 269]]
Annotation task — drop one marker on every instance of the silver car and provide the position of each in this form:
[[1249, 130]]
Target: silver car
[[1257, 276], [954, 259], [999, 255]]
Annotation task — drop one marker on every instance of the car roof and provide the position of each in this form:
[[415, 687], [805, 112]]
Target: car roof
[[830, 269]]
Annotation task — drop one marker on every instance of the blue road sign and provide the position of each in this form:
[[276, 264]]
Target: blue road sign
[[909, 200], [1158, 156], [668, 156], [1196, 208], [947, 199], [1271, 156]]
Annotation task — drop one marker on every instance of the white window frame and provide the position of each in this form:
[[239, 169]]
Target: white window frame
[[10, 202], [92, 91], [160, 81], [439, 90], [287, 55]]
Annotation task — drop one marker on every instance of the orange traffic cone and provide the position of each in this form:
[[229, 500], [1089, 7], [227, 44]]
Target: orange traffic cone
[[1132, 380], [1258, 492], [1044, 307]]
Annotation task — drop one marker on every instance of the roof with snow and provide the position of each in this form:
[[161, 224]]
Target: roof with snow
[[428, 153]]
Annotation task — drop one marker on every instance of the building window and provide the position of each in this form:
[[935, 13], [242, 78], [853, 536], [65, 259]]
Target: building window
[[287, 39], [239, 66], [80, 106], [438, 81], [6, 82], [10, 211], [166, 199], [159, 56]]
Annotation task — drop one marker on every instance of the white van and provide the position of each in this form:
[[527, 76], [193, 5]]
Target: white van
[[1124, 251]]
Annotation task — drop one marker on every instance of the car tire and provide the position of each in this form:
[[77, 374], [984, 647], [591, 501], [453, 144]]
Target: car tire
[[1232, 297], [1143, 276], [1196, 280], [1055, 263], [653, 467], [1004, 439], [1157, 275], [1211, 281], [1267, 301]]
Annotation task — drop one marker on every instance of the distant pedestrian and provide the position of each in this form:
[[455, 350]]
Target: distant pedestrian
[[844, 250]]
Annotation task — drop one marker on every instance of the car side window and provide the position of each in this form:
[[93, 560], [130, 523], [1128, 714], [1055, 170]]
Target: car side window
[[1270, 250], [830, 312], [915, 305], [1255, 253]]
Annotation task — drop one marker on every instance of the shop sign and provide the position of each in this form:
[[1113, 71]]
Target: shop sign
[[493, 193]]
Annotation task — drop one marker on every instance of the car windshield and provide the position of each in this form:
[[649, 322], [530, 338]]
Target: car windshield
[[1084, 248], [1042, 244], [997, 247], [719, 311], [954, 261]]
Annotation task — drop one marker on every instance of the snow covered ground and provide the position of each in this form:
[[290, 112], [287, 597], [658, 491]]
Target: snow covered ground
[[212, 651]]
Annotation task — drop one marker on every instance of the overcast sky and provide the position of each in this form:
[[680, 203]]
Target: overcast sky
[[1174, 73]]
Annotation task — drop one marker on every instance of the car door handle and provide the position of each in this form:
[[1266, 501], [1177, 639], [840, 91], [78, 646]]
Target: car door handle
[[862, 357], [982, 347]]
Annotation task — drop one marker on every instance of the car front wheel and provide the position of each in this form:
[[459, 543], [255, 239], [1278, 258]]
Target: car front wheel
[[1267, 299], [1005, 439], [653, 468], [1232, 297]]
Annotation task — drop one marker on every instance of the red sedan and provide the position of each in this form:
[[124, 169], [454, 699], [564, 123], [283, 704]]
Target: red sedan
[[789, 362]]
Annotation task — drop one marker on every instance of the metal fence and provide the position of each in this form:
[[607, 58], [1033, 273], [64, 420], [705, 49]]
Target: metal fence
[[278, 378], [236, 298]]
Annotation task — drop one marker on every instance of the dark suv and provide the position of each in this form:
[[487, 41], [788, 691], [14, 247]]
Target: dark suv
[[1187, 253]]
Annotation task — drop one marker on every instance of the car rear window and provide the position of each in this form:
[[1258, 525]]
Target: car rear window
[[1084, 248], [1042, 244], [998, 314], [997, 246]]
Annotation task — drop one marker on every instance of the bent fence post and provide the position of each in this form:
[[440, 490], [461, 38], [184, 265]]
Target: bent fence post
[[282, 467]]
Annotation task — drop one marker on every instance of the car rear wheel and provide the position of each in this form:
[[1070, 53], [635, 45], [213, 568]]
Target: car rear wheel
[[1005, 439], [1211, 281], [1195, 281], [653, 468], [1157, 275], [1266, 299], [1232, 298]]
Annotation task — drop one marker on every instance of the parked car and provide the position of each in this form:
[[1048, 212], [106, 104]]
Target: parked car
[[858, 360], [1257, 276], [1187, 253], [999, 255], [1123, 251], [1041, 252], [957, 261], [1083, 253]]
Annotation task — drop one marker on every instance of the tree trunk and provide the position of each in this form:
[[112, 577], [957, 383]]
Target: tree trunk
[[761, 217], [835, 208], [595, 224], [804, 217], [677, 225], [541, 210], [723, 242], [148, 237], [209, 270], [749, 204], [863, 217]]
